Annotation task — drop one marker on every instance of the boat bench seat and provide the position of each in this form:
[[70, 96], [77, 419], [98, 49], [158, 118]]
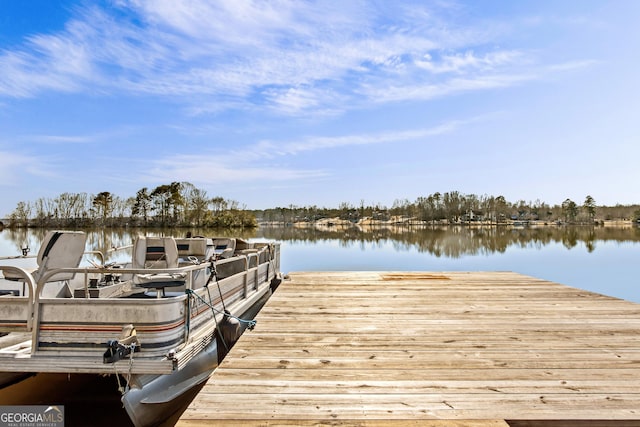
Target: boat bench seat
[[159, 282], [157, 253], [224, 247], [192, 250]]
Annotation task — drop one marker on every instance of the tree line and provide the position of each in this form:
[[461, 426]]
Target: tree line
[[179, 204], [182, 204], [454, 207]]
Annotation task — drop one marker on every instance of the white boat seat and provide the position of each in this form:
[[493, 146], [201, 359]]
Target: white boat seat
[[157, 253], [59, 249], [191, 250], [224, 247]]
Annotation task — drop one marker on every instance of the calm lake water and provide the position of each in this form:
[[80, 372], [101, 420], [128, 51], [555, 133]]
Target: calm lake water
[[598, 259]]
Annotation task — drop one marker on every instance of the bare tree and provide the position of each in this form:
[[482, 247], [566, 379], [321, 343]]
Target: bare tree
[[196, 202], [218, 204], [21, 214]]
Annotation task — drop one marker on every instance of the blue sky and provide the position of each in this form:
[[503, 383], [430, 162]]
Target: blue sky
[[321, 102]]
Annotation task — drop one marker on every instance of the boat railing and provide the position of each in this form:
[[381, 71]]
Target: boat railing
[[26, 273], [226, 267], [74, 331], [16, 311], [99, 255], [59, 319], [127, 272], [14, 257]]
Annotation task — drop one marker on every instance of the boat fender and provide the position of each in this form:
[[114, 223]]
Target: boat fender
[[230, 328], [275, 282], [229, 331]]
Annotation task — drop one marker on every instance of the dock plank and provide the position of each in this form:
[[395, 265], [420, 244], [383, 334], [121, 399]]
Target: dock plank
[[473, 349]]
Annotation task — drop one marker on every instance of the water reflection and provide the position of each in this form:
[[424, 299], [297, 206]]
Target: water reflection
[[439, 241], [458, 241]]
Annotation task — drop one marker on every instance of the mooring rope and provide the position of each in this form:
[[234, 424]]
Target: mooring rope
[[250, 323], [123, 389], [214, 273]]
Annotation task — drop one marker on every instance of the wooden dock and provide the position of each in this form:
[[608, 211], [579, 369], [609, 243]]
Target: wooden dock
[[429, 349]]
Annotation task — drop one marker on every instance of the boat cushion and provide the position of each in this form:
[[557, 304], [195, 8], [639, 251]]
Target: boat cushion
[[154, 253]]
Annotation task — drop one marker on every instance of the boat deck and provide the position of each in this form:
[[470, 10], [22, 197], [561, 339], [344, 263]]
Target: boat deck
[[435, 349]]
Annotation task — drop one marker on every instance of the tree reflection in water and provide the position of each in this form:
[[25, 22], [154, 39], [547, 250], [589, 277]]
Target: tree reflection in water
[[438, 241], [457, 241]]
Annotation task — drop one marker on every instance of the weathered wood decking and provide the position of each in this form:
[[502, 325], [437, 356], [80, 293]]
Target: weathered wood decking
[[435, 349]]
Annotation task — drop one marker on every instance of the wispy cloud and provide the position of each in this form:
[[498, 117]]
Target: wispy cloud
[[267, 160], [215, 170], [271, 148], [571, 65], [463, 62], [114, 133], [292, 58], [454, 86], [23, 75], [18, 167], [55, 139]]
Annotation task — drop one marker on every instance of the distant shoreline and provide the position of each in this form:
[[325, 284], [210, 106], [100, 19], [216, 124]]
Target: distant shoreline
[[413, 222]]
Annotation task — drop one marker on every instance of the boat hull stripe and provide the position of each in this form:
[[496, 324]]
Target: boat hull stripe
[[102, 346], [12, 324], [108, 327]]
